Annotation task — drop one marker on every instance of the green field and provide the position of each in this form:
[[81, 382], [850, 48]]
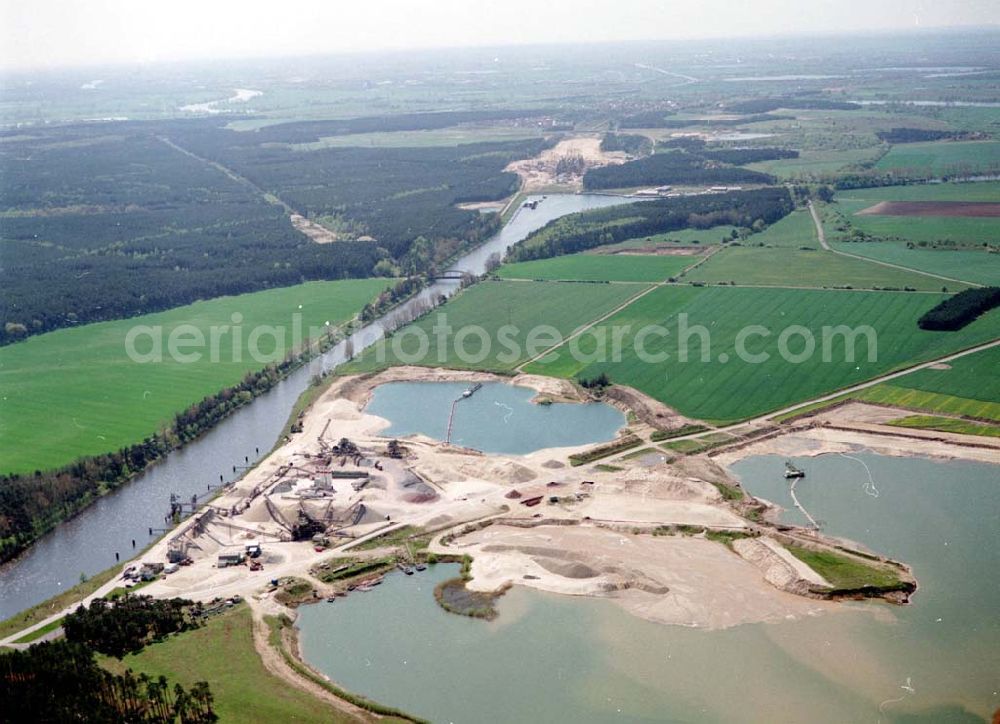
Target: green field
[[949, 246], [601, 267], [956, 191], [908, 398], [814, 162], [947, 424], [454, 136], [941, 157], [76, 392], [222, 653], [965, 230], [494, 304], [794, 231], [792, 267], [718, 390], [684, 237], [841, 571], [980, 267]]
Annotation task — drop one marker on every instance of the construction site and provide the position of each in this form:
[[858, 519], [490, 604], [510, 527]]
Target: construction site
[[339, 487]]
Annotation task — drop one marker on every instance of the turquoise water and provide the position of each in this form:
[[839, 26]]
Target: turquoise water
[[550, 658], [498, 418]]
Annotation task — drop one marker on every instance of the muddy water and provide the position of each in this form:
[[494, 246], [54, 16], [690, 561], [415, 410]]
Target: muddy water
[[563, 659], [498, 418], [87, 544]]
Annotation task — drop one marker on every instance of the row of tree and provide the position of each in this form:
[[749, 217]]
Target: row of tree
[[766, 105], [960, 310], [913, 135]]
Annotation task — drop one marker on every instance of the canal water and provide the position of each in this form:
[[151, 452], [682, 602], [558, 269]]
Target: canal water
[[565, 659], [498, 418], [87, 544]]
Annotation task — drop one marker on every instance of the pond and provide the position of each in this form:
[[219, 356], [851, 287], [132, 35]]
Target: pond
[[498, 418], [567, 659]]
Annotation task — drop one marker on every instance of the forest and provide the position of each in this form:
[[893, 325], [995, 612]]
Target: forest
[[633, 145], [108, 222], [589, 229], [128, 623], [740, 156], [673, 167], [60, 681]]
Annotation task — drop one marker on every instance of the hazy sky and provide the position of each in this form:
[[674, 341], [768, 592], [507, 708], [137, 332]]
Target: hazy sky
[[83, 32]]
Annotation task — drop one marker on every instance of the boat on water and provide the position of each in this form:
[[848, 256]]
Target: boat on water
[[421, 567], [793, 472]]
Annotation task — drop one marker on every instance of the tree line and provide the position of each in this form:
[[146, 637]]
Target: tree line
[[671, 167], [766, 105], [660, 119], [61, 681]]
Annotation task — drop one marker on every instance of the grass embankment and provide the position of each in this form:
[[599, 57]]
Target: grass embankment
[[698, 444], [294, 591], [724, 387], [845, 573], [81, 388], [409, 541], [724, 537], [410, 535], [626, 442], [687, 429], [222, 652], [57, 603], [40, 632]]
